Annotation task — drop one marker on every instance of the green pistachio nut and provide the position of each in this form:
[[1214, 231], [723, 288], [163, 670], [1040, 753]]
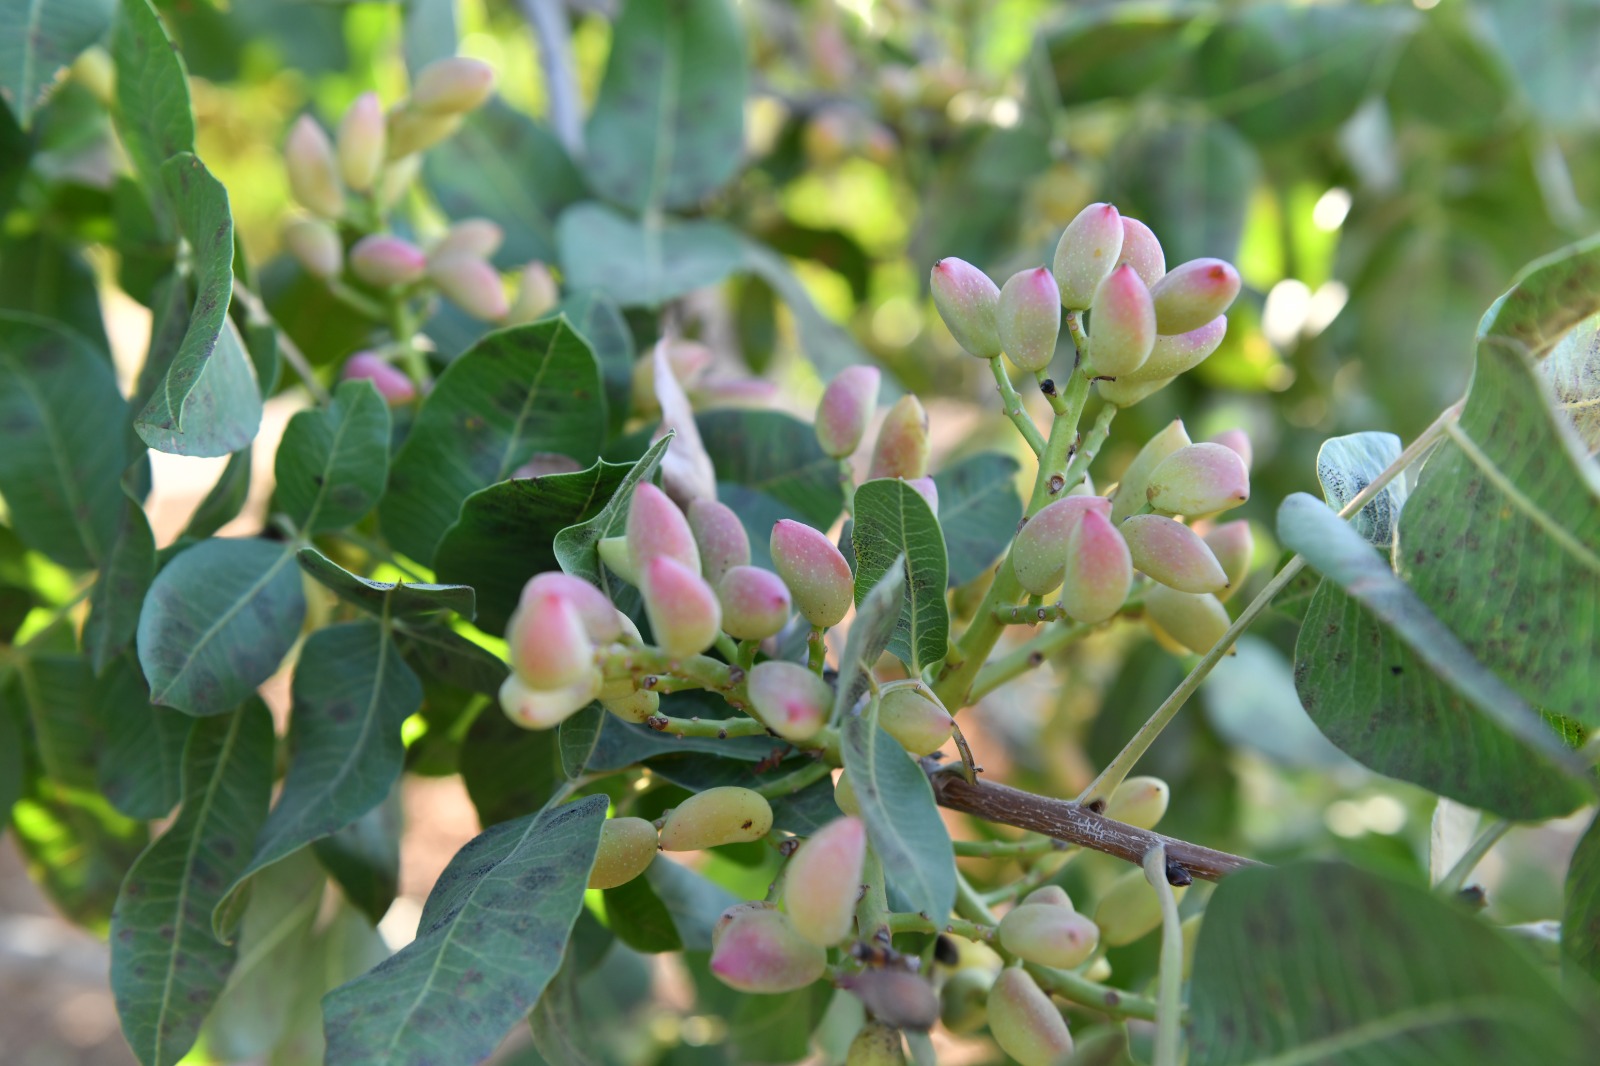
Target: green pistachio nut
[[790, 700], [546, 708], [1193, 293], [315, 246], [452, 85], [876, 1044], [1087, 252], [313, 171], [635, 706], [901, 449], [1192, 621], [1139, 801], [755, 603], [1129, 909], [823, 881], [844, 795], [968, 301], [1173, 554], [471, 284], [723, 815], [910, 712], [627, 847], [1048, 935], [1130, 497], [963, 1001], [816, 574], [1201, 479], [1039, 554], [537, 295], [1024, 1021], [1234, 546], [1051, 895], [410, 130], [1030, 319], [361, 143]]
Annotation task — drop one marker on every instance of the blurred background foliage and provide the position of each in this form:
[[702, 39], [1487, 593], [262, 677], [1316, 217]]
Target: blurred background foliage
[[1378, 171]]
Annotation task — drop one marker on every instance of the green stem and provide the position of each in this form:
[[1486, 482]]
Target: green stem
[[720, 728], [1016, 663], [1057, 403], [403, 325], [872, 912], [908, 922], [1007, 849], [1080, 339], [847, 486], [817, 650], [726, 645], [747, 654], [1169, 997], [1012, 404], [1026, 614], [357, 301], [791, 783], [1452, 882], [1090, 448]]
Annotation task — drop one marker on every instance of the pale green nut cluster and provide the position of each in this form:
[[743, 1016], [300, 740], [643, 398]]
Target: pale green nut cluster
[[727, 814]]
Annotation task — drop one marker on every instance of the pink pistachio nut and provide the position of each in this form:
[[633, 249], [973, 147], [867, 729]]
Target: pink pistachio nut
[[755, 603], [1039, 554], [313, 172], [1124, 325], [846, 408], [790, 700], [390, 381], [1173, 554], [1099, 570], [968, 302], [817, 576], [823, 880], [902, 447], [720, 537], [1030, 319], [1199, 480], [1086, 253], [361, 148], [683, 610], [1193, 293], [1142, 251], [384, 260]]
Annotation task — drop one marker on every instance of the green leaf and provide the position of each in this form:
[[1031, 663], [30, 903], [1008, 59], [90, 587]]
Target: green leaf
[[1501, 536], [125, 576], [1104, 52], [576, 546], [1573, 370], [364, 858], [217, 622], [1548, 298], [351, 692], [1347, 465], [777, 1028], [577, 738], [1580, 918], [694, 901], [828, 345], [429, 34], [777, 456], [597, 317], [505, 167], [153, 118], [506, 533], [903, 823], [1191, 182], [451, 658], [332, 463], [47, 276], [1391, 686], [166, 968], [562, 1025], [643, 263], [894, 525], [491, 937], [1551, 48], [37, 39], [1358, 968], [668, 127], [64, 453], [140, 768], [393, 599], [509, 771], [639, 918], [877, 618], [517, 392], [209, 402], [978, 510]]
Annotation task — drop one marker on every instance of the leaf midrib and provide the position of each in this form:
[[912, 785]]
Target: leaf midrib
[[1389, 1026], [217, 626], [69, 485]]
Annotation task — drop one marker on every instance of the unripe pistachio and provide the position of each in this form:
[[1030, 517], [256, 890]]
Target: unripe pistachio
[[909, 712], [1171, 356], [1172, 553], [410, 130], [1050, 896], [616, 557], [1129, 909], [94, 70], [601, 620], [1238, 441], [627, 847], [727, 917], [1130, 497], [384, 260], [452, 85], [1050, 936], [396, 179], [969, 302], [537, 295], [844, 795], [723, 544], [1234, 547], [1124, 326], [1086, 253], [726, 814], [759, 951], [549, 646], [1139, 801], [1099, 970], [683, 610], [656, 527], [313, 175], [391, 382], [1192, 621], [472, 285], [540, 709], [846, 408], [897, 997], [876, 1044], [901, 449], [315, 246], [1125, 392], [477, 238], [962, 1006], [816, 574], [823, 879], [1200, 479], [1039, 554], [928, 490], [1099, 571], [755, 603], [543, 464], [361, 143], [1193, 293], [636, 706], [1142, 251], [790, 700], [1024, 1021], [1030, 319], [1083, 488]]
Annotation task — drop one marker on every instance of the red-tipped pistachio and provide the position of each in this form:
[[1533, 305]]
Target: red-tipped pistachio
[[313, 174], [1099, 571], [1238, 441], [452, 85], [876, 1044], [1190, 620], [1124, 324], [759, 951], [383, 259], [549, 645], [683, 610], [720, 536], [411, 130], [657, 528], [472, 285], [627, 847], [315, 246], [602, 620], [968, 301], [1086, 253], [537, 294], [1174, 355], [1193, 293], [846, 408], [755, 603], [1172, 553], [1234, 547], [1024, 1021], [1142, 251], [1129, 909], [1040, 552], [816, 574], [1130, 497], [1125, 392], [790, 700], [901, 449], [1050, 895], [897, 997], [1048, 935], [391, 382], [1030, 319], [478, 238], [361, 143], [1197, 480], [823, 880], [540, 709], [909, 712], [1139, 801], [928, 489]]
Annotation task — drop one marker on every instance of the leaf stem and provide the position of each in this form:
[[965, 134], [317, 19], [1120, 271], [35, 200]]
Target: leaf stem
[[872, 910], [720, 728], [291, 351], [1016, 663], [1092, 442], [791, 783], [1452, 882], [1169, 996], [1008, 849], [916, 922], [1011, 403]]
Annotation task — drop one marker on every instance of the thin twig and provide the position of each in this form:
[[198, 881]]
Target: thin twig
[[1012, 405], [292, 354], [1452, 881], [554, 38]]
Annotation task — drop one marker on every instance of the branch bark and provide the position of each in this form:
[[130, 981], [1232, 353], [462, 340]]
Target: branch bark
[[1065, 820]]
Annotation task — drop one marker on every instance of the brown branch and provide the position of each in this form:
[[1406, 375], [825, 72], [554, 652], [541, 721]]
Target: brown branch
[[1065, 820]]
